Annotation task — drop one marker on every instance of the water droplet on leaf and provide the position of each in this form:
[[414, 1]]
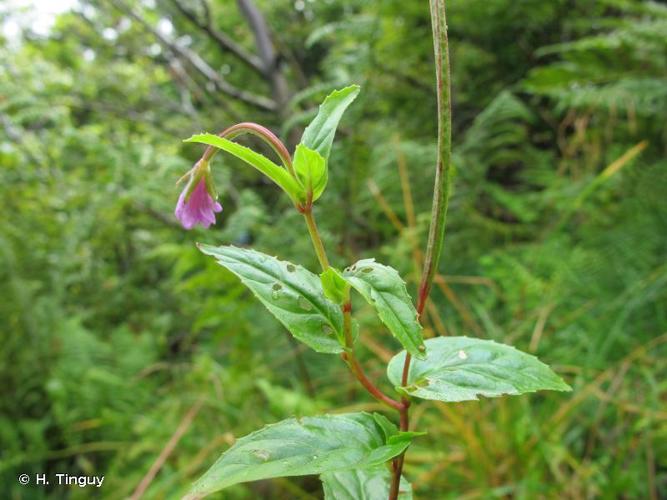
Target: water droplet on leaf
[[261, 454], [304, 304], [422, 383]]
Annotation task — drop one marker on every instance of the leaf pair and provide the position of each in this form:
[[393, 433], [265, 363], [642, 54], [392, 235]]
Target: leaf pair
[[308, 305], [310, 157], [349, 450], [449, 369]]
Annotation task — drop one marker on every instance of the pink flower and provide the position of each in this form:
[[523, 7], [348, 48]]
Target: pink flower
[[199, 208]]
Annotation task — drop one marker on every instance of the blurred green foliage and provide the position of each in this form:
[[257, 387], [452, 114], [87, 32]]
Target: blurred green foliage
[[115, 326]]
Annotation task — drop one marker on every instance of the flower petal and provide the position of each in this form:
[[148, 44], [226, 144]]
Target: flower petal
[[200, 208]]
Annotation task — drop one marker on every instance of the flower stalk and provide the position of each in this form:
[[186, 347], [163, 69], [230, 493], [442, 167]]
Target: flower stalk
[[262, 133], [443, 173]]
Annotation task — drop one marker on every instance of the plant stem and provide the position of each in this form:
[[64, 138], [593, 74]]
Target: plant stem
[[262, 133], [436, 234], [348, 356], [351, 360], [315, 237]]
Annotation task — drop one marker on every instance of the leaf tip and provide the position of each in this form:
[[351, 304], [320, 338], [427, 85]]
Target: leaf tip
[[204, 248], [563, 386]]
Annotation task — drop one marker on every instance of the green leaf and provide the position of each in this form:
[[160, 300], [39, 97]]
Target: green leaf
[[299, 447], [320, 133], [362, 484], [462, 368], [274, 172], [293, 295], [384, 289], [310, 168], [336, 288]]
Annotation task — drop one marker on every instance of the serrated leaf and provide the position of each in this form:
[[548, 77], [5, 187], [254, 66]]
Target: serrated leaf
[[320, 133], [274, 172], [299, 447], [311, 169], [384, 289], [462, 368], [362, 484], [291, 293], [336, 288]]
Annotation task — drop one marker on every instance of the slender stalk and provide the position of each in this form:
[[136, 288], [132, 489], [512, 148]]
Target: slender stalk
[[258, 131], [348, 356], [351, 360], [315, 237], [436, 235]]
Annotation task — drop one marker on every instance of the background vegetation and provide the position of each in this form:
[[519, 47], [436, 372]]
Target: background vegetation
[[118, 333]]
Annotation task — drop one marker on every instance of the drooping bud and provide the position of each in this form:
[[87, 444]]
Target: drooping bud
[[197, 203]]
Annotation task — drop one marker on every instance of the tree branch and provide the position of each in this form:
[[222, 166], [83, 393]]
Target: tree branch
[[223, 41], [267, 53], [200, 65]]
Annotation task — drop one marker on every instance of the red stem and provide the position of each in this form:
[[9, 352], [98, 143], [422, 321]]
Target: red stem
[[354, 365], [258, 131]]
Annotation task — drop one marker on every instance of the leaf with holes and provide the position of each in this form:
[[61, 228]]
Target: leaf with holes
[[384, 289], [309, 445], [362, 484], [462, 368], [291, 293]]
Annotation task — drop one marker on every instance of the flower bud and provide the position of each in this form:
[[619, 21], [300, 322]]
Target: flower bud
[[197, 203]]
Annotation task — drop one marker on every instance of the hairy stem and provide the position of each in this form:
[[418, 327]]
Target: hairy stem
[[436, 235]]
